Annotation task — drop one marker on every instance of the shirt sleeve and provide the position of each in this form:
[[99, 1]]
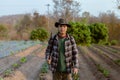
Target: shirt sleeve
[[74, 53], [48, 49]]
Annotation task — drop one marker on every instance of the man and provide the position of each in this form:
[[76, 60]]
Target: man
[[62, 53]]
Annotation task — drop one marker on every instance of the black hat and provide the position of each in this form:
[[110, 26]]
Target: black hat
[[62, 22]]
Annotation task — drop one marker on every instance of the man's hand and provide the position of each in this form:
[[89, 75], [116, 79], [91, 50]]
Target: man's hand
[[49, 61], [75, 70]]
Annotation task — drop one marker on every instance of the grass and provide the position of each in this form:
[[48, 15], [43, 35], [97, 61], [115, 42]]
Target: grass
[[104, 71]]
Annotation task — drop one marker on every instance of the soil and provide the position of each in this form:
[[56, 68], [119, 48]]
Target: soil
[[89, 57], [28, 70]]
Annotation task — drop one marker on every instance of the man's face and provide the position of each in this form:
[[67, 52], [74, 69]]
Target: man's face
[[62, 29]]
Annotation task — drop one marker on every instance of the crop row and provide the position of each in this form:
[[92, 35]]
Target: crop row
[[12, 47]]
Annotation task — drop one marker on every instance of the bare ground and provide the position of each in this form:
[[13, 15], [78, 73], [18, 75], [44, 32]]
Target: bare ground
[[88, 58], [28, 70], [106, 63], [6, 62]]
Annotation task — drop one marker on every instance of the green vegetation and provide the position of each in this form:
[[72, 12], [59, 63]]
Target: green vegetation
[[115, 51], [99, 33], [44, 68], [87, 34], [39, 34], [23, 60], [11, 53], [114, 42], [43, 71], [104, 71], [80, 32], [1, 78], [3, 31], [117, 61], [15, 65], [7, 72], [75, 76]]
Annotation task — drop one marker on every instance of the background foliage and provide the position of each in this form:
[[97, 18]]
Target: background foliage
[[80, 32], [87, 34], [39, 34], [99, 33], [3, 31]]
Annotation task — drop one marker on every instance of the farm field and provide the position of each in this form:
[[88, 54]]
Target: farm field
[[95, 63]]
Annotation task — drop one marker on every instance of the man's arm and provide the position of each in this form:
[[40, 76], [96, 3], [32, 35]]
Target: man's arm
[[48, 50], [74, 53]]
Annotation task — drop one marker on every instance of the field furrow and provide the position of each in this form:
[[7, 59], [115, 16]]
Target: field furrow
[[104, 61]]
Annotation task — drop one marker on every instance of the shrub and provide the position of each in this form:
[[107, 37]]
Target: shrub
[[3, 31], [80, 32], [108, 43], [39, 34], [99, 33], [114, 42]]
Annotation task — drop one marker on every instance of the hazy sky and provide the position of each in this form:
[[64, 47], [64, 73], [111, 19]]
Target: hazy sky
[[9, 7]]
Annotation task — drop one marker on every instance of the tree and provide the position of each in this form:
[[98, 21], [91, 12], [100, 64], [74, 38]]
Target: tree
[[69, 9], [80, 32], [99, 33], [24, 25], [3, 31], [39, 34], [118, 4], [85, 16], [39, 20], [112, 22]]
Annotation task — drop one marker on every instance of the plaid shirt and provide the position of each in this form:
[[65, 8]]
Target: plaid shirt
[[71, 53]]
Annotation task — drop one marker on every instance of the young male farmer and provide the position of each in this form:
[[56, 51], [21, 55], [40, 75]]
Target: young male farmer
[[62, 53]]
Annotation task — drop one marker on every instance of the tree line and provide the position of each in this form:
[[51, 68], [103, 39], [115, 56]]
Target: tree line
[[70, 10]]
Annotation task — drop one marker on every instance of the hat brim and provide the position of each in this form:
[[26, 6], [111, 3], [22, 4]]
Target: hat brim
[[57, 24]]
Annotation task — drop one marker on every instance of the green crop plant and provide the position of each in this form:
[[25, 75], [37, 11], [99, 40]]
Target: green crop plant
[[23, 60], [115, 51], [1, 78], [104, 71], [117, 61], [44, 68], [15, 65], [75, 76], [11, 53], [7, 72]]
